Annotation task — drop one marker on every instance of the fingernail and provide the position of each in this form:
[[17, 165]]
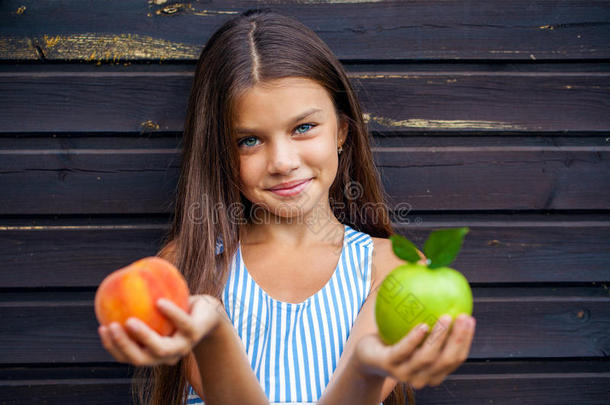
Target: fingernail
[[423, 328], [472, 322], [441, 324], [114, 329], [133, 323], [445, 319]]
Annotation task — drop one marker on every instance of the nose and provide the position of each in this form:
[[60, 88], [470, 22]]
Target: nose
[[283, 157]]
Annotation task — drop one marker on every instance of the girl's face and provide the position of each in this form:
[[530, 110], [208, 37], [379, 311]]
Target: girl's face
[[287, 130]]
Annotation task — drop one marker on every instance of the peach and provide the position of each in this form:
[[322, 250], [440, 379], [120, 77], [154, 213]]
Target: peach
[[133, 291]]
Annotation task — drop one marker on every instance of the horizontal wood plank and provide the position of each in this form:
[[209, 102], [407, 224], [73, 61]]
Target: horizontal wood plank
[[88, 371], [464, 386], [475, 382], [526, 389], [124, 100], [65, 330], [65, 392], [489, 136], [521, 248], [383, 30], [474, 178], [73, 178]]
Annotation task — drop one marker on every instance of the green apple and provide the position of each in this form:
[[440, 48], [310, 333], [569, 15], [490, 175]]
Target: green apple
[[421, 293]]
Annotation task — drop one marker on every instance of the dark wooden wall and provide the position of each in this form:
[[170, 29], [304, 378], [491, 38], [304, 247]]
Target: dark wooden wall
[[491, 114]]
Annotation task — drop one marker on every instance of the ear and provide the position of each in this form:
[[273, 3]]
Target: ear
[[343, 129]]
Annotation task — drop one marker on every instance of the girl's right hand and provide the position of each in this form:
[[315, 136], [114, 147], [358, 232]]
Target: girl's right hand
[[150, 349], [419, 359]]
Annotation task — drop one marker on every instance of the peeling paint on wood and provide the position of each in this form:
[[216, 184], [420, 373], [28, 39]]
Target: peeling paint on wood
[[187, 8], [76, 227], [381, 76], [339, 1], [149, 125], [546, 52], [503, 51], [496, 242], [573, 87], [441, 124], [441, 82], [395, 76], [96, 47], [18, 49]]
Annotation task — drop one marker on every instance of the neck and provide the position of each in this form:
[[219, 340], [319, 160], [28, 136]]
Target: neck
[[319, 226]]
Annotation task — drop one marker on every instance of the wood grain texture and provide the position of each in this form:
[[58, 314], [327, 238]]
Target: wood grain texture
[[530, 389], [122, 99], [64, 329], [488, 114], [475, 382], [518, 248], [102, 391], [76, 177], [383, 30]]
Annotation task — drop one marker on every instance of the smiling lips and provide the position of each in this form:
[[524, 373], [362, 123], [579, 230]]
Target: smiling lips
[[288, 184], [290, 188]]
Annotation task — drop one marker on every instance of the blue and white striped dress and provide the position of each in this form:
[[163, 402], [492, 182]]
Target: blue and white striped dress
[[294, 348]]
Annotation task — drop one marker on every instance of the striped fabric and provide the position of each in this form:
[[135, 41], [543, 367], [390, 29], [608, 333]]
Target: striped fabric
[[294, 348]]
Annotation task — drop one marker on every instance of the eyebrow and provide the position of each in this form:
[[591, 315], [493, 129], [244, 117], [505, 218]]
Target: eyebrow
[[294, 120]]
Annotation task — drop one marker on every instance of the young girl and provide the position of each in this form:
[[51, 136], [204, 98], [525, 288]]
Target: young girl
[[280, 229]]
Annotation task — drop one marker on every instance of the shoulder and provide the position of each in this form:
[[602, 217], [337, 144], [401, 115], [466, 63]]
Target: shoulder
[[384, 259], [383, 262]]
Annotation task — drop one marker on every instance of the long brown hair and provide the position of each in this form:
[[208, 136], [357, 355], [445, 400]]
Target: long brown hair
[[254, 47]]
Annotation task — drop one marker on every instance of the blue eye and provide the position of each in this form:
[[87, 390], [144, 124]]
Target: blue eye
[[303, 125], [243, 140]]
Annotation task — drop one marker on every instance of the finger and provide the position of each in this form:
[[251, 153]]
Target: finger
[[206, 312], [422, 367], [214, 304], [191, 326], [405, 347], [458, 344], [457, 348], [170, 308], [127, 347], [205, 297], [181, 319], [429, 351], [419, 379], [108, 344], [162, 348]]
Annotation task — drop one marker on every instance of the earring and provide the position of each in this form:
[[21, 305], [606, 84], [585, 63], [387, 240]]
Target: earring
[[340, 149]]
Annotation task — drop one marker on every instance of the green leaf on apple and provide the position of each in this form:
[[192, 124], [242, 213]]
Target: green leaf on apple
[[404, 249], [443, 245]]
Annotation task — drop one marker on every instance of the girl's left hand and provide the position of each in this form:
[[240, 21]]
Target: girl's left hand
[[150, 348], [417, 361]]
